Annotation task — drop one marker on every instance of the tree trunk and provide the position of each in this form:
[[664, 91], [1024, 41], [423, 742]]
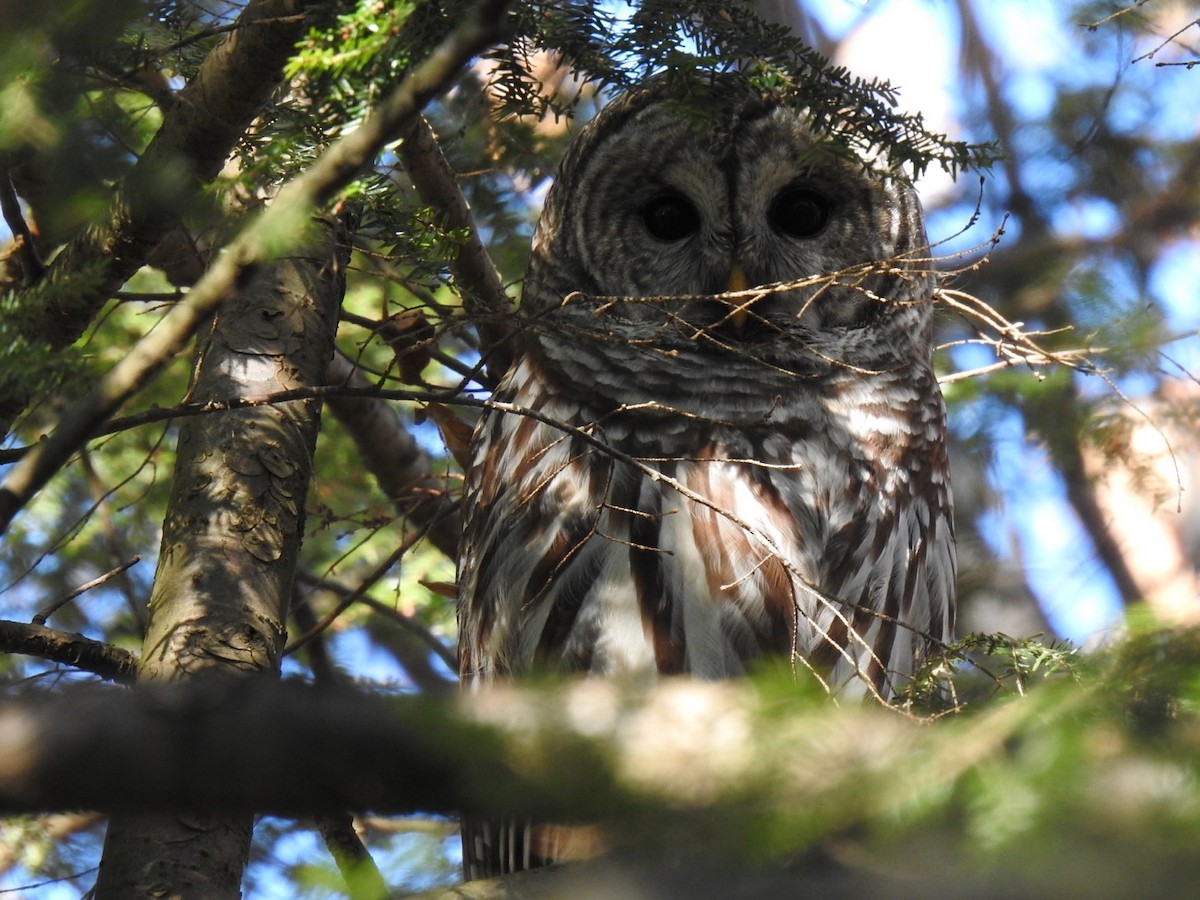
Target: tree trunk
[[230, 541]]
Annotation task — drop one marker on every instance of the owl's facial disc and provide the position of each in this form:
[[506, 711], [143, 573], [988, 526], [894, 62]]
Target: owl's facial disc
[[667, 202]]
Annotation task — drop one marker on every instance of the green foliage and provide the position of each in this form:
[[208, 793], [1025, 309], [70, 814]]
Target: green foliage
[[714, 35], [978, 666], [364, 37], [27, 371], [1059, 763]]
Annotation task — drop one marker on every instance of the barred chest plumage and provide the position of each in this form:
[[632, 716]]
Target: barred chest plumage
[[646, 540]]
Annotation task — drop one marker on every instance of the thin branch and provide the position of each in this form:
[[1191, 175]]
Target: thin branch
[[185, 410], [402, 469], [46, 612], [369, 580], [482, 288], [268, 235], [1013, 343], [1167, 40], [427, 638], [452, 363], [1092, 26]]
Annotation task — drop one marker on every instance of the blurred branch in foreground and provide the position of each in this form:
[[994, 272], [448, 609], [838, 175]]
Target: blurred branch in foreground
[[732, 776]]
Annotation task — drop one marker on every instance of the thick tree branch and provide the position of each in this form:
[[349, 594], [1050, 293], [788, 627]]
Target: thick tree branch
[[198, 132], [230, 540], [206, 748], [267, 236], [75, 650], [587, 749]]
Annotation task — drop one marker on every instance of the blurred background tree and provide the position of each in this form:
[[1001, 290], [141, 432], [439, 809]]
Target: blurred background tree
[[137, 138]]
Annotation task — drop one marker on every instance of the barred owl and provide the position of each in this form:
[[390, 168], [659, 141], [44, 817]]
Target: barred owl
[[721, 436]]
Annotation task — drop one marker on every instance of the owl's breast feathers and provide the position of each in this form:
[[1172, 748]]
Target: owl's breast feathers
[[642, 540]]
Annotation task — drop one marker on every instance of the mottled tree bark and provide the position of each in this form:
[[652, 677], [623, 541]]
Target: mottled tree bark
[[230, 543]]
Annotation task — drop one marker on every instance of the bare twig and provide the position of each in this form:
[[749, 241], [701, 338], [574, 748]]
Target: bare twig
[[1167, 40], [46, 612], [1013, 343], [1092, 26], [348, 600], [402, 469], [184, 410], [408, 623], [483, 291]]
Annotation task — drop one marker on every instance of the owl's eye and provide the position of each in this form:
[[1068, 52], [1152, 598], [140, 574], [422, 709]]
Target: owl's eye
[[670, 217], [800, 212]]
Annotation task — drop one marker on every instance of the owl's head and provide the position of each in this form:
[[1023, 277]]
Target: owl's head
[[687, 189]]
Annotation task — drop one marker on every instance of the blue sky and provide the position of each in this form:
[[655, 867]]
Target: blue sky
[[915, 46]]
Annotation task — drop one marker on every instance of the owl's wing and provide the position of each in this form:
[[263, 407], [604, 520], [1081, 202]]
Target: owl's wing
[[531, 552], [886, 534]]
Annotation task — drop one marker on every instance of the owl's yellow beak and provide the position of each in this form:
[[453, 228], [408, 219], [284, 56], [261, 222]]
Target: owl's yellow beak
[[737, 282]]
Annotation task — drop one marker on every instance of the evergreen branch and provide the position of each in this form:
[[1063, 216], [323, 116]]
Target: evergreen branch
[[709, 36], [268, 235], [198, 133]]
